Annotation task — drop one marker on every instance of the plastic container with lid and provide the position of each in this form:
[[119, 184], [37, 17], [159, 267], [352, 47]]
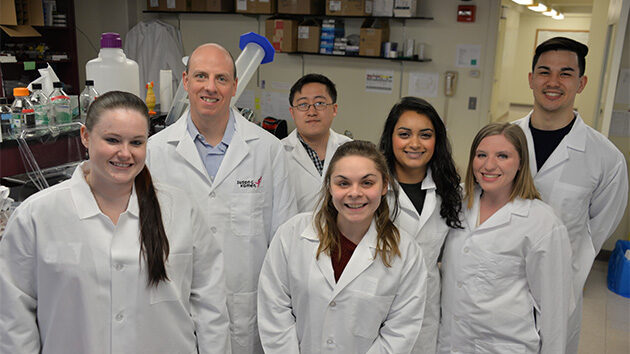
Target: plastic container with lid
[[60, 105], [23, 112], [5, 117], [86, 98], [112, 70], [41, 105]]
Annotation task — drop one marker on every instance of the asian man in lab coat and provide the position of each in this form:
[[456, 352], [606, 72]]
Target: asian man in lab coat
[[235, 171], [577, 170], [313, 100]]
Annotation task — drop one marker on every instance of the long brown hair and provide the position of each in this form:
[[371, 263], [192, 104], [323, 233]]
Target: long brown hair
[[153, 240], [326, 217], [523, 185]]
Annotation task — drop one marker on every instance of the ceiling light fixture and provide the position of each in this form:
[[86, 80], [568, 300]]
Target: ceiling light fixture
[[538, 7], [551, 13], [524, 2], [559, 16]]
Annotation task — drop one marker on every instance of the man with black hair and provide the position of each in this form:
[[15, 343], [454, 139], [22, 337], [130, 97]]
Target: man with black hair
[[313, 100], [577, 170]]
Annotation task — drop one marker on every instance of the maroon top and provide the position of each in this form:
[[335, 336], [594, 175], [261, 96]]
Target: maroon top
[[347, 248]]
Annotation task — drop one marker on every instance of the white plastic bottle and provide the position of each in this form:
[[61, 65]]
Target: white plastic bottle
[[112, 70]]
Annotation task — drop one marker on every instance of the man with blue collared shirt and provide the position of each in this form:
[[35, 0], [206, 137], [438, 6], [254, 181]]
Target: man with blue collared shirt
[[236, 172]]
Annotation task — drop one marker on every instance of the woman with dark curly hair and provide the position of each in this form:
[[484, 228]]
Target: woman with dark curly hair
[[418, 154]]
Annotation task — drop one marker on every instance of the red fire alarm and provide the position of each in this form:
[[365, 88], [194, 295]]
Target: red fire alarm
[[466, 13]]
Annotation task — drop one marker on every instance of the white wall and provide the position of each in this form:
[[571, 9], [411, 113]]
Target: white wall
[[623, 143]]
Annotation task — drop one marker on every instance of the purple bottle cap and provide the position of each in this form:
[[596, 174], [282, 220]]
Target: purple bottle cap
[[111, 40]]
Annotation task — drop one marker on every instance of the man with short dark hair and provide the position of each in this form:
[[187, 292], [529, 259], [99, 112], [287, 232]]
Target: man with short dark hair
[[313, 100], [577, 171], [236, 172]]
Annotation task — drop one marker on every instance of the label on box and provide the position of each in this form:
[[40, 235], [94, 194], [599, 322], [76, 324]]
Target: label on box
[[263, 0], [241, 5], [170, 4], [368, 6], [334, 5], [302, 32], [279, 24]]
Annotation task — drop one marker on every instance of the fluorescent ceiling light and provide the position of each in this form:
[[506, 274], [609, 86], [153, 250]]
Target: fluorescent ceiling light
[[524, 2], [539, 7], [559, 16], [551, 12]]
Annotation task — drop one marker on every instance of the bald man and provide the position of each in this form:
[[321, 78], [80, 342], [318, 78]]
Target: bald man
[[235, 171]]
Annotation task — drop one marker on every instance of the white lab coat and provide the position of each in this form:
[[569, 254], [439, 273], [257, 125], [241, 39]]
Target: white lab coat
[[155, 46], [304, 176], [73, 282], [372, 309], [506, 284], [585, 180], [429, 231], [249, 198]]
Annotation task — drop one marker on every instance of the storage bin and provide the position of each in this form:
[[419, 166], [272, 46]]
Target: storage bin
[[619, 269]]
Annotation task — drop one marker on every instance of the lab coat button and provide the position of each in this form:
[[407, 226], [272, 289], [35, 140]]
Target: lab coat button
[[119, 317], [118, 267], [330, 341], [466, 249], [459, 284], [212, 195], [333, 304], [213, 229]]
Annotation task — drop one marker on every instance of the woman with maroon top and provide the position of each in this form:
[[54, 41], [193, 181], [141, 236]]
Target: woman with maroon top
[[344, 279]]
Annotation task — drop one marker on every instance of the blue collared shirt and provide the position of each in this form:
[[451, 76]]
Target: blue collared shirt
[[212, 156]]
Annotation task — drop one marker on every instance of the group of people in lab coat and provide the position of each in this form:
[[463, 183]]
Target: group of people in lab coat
[[315, 243]]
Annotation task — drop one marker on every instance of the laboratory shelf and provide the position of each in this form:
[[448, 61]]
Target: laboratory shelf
[[426, 60]]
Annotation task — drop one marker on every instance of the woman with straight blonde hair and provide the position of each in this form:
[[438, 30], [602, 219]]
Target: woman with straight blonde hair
[[344, 279], [507, 274]]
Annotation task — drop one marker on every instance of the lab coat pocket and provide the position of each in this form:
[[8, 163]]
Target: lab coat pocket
[[369, 313], [570, 201], [489, 347], [498, 272], [246, 214], [178, 266], [58, 252], [242, 308]]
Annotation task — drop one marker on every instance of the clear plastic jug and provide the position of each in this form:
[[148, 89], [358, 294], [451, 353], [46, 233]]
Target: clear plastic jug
[[112, 71]]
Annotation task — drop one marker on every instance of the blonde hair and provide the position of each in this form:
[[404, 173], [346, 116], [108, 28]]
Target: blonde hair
[[326, 217], [523, 186]]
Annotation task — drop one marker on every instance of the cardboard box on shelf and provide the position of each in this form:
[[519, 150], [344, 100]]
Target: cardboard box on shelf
[[308, 36], [374, 32], [212, 5], [156, 5], [18, 16], [301, 7], [282, 33], [175, 5], [349, 7], [256, 6]]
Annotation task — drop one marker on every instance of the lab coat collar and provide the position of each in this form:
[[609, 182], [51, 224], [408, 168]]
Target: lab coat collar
[[293, 145], [518, 207], [84, 200], [430, 200], [362, 257], [575, 140], [236, 152]]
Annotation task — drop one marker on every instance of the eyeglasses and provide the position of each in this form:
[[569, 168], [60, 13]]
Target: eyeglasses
[[319, 106]]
